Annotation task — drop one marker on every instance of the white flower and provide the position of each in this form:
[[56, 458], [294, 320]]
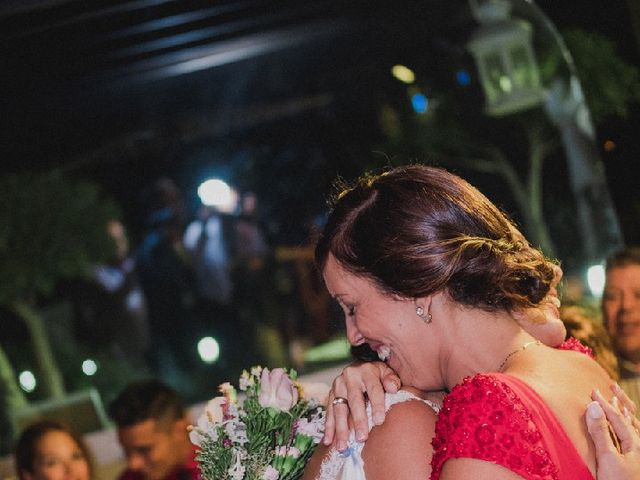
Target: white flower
[[196, 437], [277, 390], [293, 452], [214, 411], [313, 428], [270, 473], [208, 422], [256, 371], [237, 469], [236, 431], [246, 380]]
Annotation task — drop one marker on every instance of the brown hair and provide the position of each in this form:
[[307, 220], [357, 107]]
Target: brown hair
[[624, 257], [417, 230], [26, 447], [591, 332], [146, 400]]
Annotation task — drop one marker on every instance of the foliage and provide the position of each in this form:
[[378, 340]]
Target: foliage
[[609, 82], [51, 227]]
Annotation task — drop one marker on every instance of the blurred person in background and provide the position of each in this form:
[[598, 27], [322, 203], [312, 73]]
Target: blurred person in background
[[254, 293], [111, 308], [621, 313], [167, 283], [152, 423], [209, 242], [581, 324], [48, 450]]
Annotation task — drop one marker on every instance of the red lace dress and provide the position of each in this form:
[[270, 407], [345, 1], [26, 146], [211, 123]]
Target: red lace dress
[[498, 418]]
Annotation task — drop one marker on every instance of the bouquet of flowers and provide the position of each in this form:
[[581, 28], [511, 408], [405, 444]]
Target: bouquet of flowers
[[269, 435]]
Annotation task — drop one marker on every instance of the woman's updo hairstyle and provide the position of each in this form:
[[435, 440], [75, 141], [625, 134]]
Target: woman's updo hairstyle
[[417, 230]]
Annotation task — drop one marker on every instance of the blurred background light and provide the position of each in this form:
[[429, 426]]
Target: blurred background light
[[89, 367], [419, 102], [595, 279], [27, 381], [217, 193], [404, 74], [609, 145], [332, 350], [463, 78], [209, 349]]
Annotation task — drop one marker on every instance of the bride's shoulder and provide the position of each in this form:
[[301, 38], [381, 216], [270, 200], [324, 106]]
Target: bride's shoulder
[[403, 442]]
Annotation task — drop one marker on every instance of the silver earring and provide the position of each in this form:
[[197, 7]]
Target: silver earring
[[426, 317]]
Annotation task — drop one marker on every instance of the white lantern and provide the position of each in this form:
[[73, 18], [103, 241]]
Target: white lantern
[[502, 49]]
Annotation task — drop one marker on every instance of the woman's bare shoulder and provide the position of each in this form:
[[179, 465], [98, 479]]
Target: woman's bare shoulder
[[401, 447]]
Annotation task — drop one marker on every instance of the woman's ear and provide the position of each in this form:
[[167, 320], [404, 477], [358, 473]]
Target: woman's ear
[[422, 306]]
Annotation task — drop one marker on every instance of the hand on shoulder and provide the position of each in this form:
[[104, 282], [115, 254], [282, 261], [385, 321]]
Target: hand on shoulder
[[615, 462]]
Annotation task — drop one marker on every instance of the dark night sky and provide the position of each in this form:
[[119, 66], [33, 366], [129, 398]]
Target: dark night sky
[[54, 126]]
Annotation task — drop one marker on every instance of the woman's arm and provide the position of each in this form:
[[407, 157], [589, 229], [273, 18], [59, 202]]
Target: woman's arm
[[312, 469], [400, 448]]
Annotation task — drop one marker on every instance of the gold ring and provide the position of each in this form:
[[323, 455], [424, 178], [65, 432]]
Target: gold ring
[[339, 400]]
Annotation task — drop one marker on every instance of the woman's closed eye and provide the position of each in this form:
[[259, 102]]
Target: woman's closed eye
[[351, 310]]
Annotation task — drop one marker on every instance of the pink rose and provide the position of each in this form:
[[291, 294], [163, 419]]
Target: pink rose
[[277, 390]]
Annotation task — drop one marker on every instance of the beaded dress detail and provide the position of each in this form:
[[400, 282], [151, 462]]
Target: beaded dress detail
[[349, 465], [500, 419]]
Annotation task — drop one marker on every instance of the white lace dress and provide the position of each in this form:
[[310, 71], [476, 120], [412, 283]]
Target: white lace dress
[[349, 465]]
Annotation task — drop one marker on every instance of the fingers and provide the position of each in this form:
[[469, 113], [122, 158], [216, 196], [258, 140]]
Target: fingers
[[361, 379], [341, 415], [624, 398], [620, 421], [375, 392], [599, 430], [391, 380], [331, 423], [356, 383]]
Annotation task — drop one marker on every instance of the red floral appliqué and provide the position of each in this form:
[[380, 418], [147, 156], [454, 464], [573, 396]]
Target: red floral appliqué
[[483, 418]]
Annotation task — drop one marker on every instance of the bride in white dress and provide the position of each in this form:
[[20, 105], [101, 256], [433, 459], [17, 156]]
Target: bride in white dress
[[392, 447]]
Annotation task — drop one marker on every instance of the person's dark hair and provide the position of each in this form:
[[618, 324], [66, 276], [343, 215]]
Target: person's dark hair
[[146, 400], [417, 230], [26, 446], [623, 258]]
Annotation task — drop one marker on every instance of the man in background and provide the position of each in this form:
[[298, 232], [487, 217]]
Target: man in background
[[621, 314], [152, 429]]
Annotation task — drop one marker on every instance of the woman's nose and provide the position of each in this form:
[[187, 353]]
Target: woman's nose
[[353, 334]]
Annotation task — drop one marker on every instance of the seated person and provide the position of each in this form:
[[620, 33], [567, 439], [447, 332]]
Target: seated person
[[48, 450], [152, 429]]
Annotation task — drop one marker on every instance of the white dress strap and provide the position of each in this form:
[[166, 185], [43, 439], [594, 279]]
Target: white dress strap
[[349, 465]]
